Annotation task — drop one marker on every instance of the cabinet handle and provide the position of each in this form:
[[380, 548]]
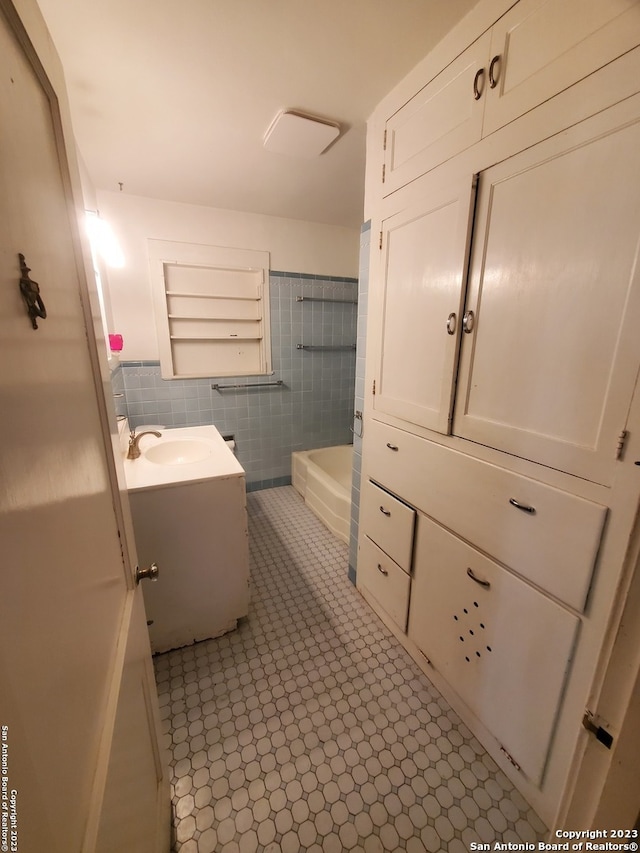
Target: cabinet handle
[[382, 571], [451, 324], [523, 507], [493, 79], [384, 511], [477, 90], [393, 447], [468, 321], [485, 584]]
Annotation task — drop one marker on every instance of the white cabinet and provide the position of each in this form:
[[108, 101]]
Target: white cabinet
[[548, 369], [191, 519], [503, 646], [536, 50], [502, 365], [546, 535], [425, 250], [442, 119], [541, 47], [549, 354], [387, 551], [386, 581]]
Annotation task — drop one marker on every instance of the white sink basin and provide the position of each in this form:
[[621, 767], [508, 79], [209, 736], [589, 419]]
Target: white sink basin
[[178, 452]]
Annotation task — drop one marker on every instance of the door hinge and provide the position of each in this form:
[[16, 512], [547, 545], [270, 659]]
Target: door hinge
[[380, 241], [510, 758], [374, 387], [384, 171], [622, 440], [384, 141], [601, 734]]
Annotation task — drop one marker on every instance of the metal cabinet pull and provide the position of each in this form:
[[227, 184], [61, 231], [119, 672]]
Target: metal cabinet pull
[[384, 511], [451, 324], [493, 78], [485, 584], [477, 90], [382, 571], [468, 322], [392, 446], [523, 507], [151, 573]]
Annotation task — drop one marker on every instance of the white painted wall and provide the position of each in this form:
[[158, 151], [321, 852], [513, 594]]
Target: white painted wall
[[294, 245]]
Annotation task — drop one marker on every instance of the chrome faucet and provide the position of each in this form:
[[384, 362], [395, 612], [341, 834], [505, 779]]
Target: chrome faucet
[[134, 450]]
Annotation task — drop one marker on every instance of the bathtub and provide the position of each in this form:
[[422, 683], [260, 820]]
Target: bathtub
[[323, 478]]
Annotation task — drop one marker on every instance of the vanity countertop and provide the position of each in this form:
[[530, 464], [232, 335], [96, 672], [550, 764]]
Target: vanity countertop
[[218, 461]]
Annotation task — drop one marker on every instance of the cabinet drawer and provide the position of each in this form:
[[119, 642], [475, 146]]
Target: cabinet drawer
[[385, 580], [504, 647], [388, 522], [554, 546]]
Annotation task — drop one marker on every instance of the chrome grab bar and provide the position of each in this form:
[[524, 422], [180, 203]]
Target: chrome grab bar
[[217, 387]]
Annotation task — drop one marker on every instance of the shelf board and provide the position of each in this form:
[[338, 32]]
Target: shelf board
[[215, 319], [225, 339], [213, 296]]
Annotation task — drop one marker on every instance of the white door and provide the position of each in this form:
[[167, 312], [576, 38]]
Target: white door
[[424, 264], [549, 365], [75, 668]]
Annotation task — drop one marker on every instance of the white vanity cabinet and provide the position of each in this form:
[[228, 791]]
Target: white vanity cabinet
[[191, 520], [502, 364]]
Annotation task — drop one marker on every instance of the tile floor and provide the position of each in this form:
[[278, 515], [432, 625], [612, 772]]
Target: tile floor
[[310, 728]]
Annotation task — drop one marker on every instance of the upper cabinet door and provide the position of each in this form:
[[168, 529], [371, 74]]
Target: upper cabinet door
[[424, 265], [549, 365], [541, 47], [442, 119]]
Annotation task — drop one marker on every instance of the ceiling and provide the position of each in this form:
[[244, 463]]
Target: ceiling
[[173, 100]]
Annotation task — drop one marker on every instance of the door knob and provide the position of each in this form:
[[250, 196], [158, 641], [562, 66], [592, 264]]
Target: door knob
[[151, 573]]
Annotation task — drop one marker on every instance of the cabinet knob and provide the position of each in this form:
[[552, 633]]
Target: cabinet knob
[[468, 321], [477, 84], [493, 77], [149, 574], [451, 323]]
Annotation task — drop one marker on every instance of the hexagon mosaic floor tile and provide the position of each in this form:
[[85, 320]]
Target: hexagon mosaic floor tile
[[310, 728]]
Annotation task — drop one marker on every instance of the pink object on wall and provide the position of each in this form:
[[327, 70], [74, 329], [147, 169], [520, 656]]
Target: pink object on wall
[[115, 343]]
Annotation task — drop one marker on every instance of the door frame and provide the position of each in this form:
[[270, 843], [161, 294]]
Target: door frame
[[604, 784]]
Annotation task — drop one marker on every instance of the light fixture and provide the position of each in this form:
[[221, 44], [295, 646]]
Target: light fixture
[[103, 241], [299, 135]]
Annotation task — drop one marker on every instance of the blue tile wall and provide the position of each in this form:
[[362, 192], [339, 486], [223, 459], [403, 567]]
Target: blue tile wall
[[363, 296], [314, 406]]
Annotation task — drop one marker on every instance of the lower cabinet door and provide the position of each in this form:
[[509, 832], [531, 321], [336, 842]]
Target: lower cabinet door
[[503, 646], [385, 581]]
